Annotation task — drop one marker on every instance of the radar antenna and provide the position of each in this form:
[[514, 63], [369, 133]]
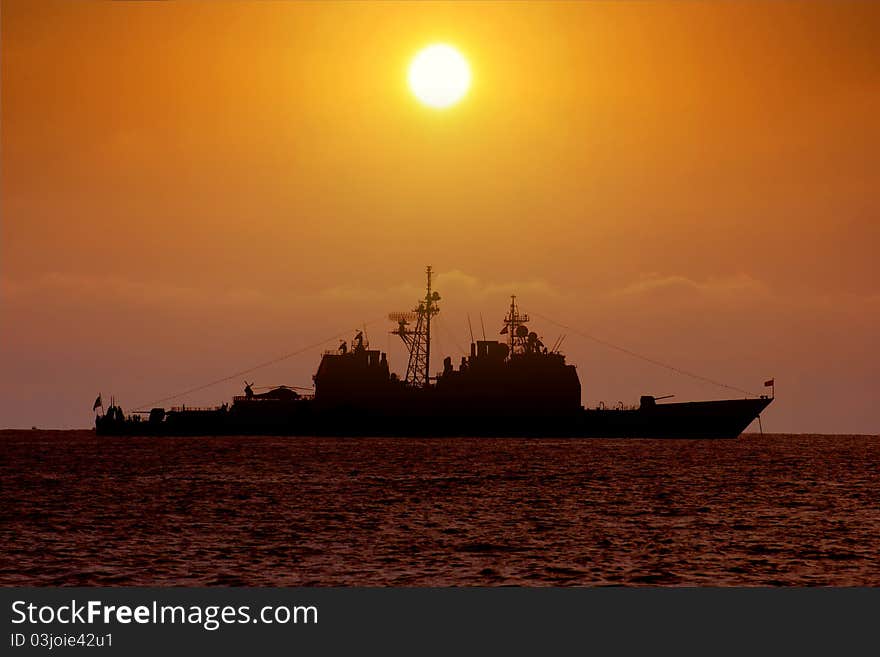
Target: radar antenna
[[418, 338]]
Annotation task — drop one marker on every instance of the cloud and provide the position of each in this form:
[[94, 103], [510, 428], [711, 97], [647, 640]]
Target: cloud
[[115, 290], [472, 288], [720, 292], [654, 283]]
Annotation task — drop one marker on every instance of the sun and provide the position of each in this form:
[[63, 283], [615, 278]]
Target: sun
[[439, 76]]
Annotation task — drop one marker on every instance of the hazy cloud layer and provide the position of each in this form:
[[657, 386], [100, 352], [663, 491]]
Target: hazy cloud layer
[[157, 339]]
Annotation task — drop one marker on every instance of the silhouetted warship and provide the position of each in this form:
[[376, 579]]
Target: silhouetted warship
[[516, 387]]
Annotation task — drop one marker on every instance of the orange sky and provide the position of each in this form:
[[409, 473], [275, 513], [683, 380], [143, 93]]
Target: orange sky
[[189, 188]]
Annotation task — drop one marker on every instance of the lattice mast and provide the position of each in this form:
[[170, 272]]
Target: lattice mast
[[418, 339], [515, 328]]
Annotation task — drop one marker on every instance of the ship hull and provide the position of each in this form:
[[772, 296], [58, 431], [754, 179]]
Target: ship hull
[[700, 420]]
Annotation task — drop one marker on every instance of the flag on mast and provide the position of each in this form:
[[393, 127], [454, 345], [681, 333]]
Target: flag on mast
[[98, 403], [769, 384]]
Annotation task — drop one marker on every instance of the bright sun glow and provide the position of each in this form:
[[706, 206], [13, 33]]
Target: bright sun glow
[[439, 76]]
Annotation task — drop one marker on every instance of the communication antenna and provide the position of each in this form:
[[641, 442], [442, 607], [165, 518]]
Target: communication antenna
[[484, 327], [470, 328], [558, 345]]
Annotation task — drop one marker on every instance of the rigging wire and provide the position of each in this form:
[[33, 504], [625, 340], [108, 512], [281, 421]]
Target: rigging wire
[[278, 359], [283, 385], [647, 359]]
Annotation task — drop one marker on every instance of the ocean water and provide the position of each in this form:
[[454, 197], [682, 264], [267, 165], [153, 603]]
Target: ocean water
[[771, 510]]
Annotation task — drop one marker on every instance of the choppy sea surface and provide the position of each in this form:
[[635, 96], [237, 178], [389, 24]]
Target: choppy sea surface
[[773, 510]]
